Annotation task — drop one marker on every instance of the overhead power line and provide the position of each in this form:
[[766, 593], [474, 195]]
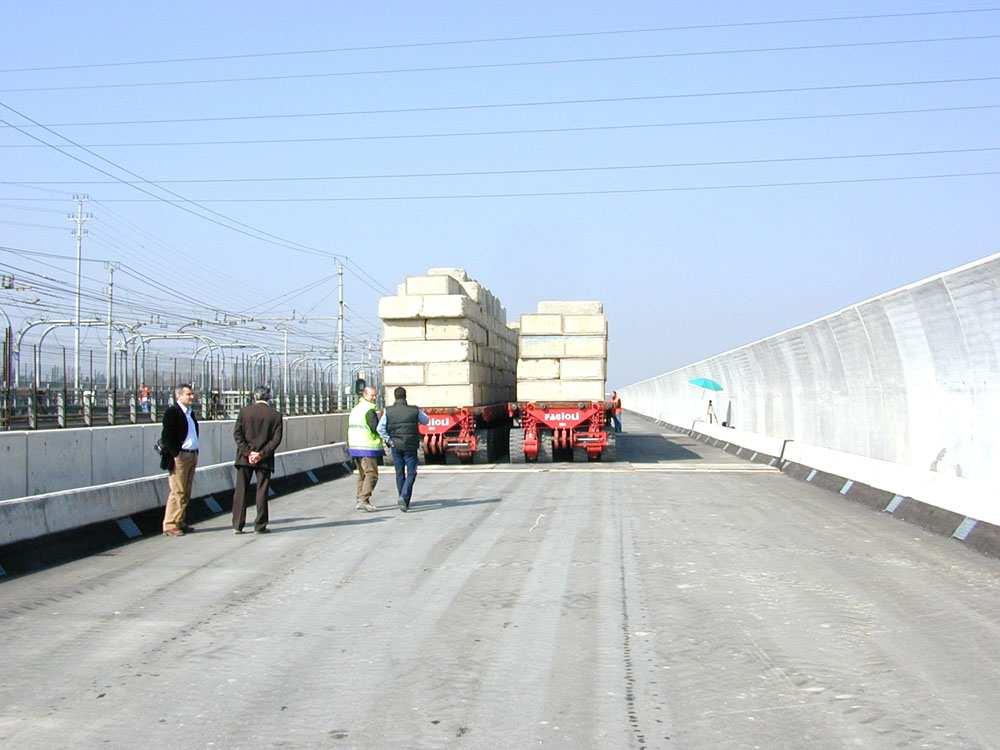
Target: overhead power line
[[562, 170], [519, 131], [226, 221], [519, 38], [182, 202], [569, 193], [529, 103], [64, 290], [502, 65], [32, 226], [34, 210]]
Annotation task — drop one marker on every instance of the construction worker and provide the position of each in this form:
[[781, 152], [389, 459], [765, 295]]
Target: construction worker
[[616, 410], [365, 447]]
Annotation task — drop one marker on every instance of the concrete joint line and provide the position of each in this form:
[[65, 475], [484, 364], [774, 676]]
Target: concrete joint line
[[128, 527], [739, 450], [964, 529], [753, 456], [812, 474], [212, 504], [847, 487]]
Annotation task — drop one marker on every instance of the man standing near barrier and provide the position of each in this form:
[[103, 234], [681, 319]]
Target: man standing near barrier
[[179, 456], [365, 446], [399, 428], [257, 433], [616, 410]]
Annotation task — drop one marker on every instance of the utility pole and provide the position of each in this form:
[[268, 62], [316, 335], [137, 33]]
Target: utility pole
[[79, 219], [340, 337], [111, 301], [284, 376]]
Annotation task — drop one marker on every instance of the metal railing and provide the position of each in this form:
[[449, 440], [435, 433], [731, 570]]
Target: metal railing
[[137, 392]]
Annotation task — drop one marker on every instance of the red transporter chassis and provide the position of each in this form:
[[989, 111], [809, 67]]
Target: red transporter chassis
[[573, 426], [461, 431]]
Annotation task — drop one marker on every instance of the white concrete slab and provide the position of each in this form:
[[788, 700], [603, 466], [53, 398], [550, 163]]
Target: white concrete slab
[[117, 453], [13, 465], [59, 460]]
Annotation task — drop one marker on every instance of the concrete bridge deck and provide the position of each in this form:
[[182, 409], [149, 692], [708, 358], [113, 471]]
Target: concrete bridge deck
[[684, 598]]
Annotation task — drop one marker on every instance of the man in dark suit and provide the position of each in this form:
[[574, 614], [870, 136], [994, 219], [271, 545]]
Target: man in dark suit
[[257, 434], [179, 456]]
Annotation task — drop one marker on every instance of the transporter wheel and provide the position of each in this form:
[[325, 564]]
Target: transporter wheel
[[516, 445], [610, 452], [580, 456], [545, 452], [483, 454], [425, 458], [451, 458]]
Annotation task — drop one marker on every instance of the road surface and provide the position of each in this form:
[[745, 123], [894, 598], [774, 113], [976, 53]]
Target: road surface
[[683, 598]]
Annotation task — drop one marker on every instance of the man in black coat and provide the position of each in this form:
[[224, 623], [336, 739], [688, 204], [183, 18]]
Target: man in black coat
[[257, 434], [179, 456], [400, 430]]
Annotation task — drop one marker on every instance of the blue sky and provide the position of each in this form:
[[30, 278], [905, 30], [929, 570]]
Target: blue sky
[[684, 273]]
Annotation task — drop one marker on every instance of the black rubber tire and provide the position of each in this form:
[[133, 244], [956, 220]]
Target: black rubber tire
[[516, 445], [610, 453], [545, 452], [483, 453], [499, 451], [425, 459], [580, 456], [451, 458]]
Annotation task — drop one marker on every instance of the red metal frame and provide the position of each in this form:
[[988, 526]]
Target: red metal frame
[[573, 425], [453, 429]]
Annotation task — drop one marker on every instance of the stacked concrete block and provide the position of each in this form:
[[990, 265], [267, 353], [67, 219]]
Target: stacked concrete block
[[446, 340], [563, 352]]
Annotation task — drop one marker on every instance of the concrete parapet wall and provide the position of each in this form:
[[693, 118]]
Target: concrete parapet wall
[[336, 428], [45, 461], [60, 460], [13, 464], [32, 517], [116, 452], [902, 389]]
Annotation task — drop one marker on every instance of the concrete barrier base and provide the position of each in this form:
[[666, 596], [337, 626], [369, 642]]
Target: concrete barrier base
[[37, 532], [977, 534]]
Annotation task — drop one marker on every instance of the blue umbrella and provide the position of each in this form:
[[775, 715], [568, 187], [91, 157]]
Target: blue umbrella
[[707, 384]]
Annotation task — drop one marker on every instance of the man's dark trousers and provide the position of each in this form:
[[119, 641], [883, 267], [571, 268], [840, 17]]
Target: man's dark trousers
[[406, 472], [243, 475]]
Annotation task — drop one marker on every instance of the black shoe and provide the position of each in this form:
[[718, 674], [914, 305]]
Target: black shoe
[[262, 530], [403, 505], [237, 531]]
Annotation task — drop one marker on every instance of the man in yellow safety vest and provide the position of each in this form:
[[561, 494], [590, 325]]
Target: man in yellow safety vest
[[365, 447]]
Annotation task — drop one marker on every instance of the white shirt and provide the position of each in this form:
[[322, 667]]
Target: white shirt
[[191, 441]]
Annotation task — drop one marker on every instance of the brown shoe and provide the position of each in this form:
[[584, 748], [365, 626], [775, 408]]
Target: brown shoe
[[173, 532]]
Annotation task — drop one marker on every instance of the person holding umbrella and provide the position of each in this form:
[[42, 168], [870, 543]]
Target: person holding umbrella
[[707, 384]]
